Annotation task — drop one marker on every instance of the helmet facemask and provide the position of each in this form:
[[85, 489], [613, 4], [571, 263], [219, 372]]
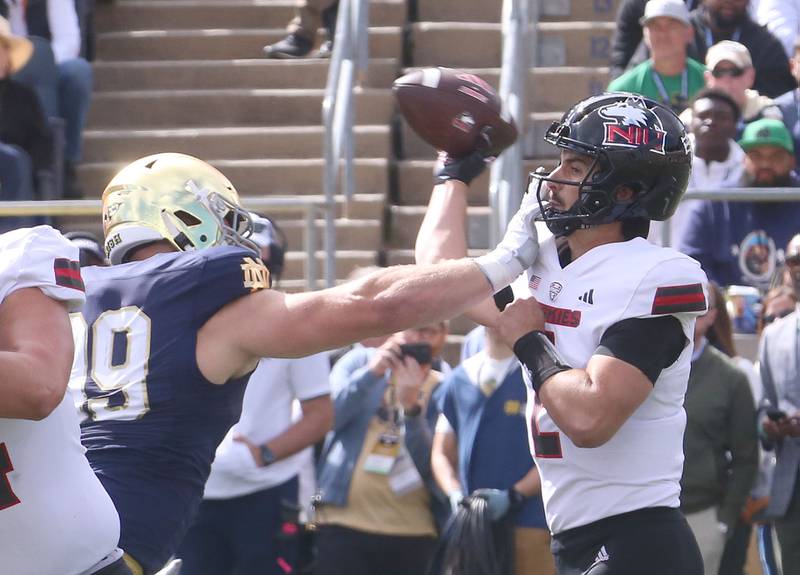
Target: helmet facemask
[[594, 205], [234, 222]]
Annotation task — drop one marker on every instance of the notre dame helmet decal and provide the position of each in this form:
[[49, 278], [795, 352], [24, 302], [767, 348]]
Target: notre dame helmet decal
[[176, 197], [634, 142]]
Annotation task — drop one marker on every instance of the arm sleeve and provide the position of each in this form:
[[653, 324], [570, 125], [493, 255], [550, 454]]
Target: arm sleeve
[[310, 376], [649, 344], [699, 235], [41, 257], [351, 380], [768, 390]]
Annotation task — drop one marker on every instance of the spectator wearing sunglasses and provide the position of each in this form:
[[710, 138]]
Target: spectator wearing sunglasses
[[729, 69]]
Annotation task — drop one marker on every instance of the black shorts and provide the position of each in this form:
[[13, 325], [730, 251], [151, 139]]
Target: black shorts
[[652, 541]]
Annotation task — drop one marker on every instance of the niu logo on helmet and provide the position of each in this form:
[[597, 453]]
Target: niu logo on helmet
[[632, 126]]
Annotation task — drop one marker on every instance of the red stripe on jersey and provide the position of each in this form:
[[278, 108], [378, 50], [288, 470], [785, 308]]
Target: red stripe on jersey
[[68, 274], [678, 299]]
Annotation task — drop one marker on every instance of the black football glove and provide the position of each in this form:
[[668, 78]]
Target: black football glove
[[466, 168]]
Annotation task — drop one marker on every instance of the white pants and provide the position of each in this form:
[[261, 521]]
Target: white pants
[[710, 538]]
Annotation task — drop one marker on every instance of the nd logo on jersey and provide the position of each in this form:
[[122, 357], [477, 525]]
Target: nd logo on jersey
[[256, 275]]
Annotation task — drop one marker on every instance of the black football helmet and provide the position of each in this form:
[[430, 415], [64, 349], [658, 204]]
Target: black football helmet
[[634, 142]]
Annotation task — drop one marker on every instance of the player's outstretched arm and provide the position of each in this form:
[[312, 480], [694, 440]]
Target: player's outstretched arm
[[35, 354], [273, 324]]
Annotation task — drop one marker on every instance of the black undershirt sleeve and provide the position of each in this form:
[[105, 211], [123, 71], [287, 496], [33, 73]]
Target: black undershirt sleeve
[[649, 344]]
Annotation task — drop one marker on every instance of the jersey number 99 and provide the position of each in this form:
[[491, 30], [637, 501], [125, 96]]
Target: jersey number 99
[[118, 365]]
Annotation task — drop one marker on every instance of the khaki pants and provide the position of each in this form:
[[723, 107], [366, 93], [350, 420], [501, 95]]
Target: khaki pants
[[532, 552], [710, 539], [308, 17]]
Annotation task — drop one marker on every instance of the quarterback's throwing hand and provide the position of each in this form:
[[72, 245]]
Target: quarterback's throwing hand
[[519, 318], [518, 249]]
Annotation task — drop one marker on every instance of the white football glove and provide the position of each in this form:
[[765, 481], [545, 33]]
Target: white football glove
[[518, 249]]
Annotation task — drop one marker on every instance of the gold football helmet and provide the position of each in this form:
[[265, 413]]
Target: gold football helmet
[[176, 197]]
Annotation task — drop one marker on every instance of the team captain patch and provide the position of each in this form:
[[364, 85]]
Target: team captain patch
[[68, 274], [678, 299]]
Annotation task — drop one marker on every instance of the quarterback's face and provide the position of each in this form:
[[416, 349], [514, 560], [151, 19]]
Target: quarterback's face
[[575, 168]]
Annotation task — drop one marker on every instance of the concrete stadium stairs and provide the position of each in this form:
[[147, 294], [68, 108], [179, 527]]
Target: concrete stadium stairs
[[189, 76], [573, 53]]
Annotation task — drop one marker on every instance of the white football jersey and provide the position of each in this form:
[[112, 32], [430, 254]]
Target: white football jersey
[[55, 516], [641, 465]]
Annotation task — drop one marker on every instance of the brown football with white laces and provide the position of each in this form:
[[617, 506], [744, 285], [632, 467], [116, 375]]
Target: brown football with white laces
[[449, 108]]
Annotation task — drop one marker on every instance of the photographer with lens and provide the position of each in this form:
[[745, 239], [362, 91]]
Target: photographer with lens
[[376, 489]]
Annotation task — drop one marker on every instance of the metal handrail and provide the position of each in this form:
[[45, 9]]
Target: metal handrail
[[519, 51], [310, 207], [734, 195], [348, 63]]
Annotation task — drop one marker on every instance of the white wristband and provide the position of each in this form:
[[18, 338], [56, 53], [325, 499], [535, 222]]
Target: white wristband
[[500, 267]]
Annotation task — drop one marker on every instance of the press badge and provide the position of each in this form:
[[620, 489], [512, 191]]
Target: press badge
[[383, 455], [404, 477]]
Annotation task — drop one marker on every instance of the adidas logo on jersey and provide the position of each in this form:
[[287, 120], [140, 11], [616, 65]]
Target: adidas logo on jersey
[[602, 555], [587, 297]]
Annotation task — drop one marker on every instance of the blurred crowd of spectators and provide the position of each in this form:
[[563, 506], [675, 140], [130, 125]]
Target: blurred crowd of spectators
[[411, 439]]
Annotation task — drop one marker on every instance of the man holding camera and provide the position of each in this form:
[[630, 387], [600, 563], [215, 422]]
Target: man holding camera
[[374, 505], [780, 420]]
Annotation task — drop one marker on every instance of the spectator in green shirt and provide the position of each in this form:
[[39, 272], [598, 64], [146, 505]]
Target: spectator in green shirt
[[669, 76]]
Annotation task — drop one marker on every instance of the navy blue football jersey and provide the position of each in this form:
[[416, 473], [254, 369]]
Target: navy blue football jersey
[[151, 421]]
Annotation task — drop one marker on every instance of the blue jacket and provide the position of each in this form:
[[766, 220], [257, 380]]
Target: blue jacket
[[357, 394], [740, 243]]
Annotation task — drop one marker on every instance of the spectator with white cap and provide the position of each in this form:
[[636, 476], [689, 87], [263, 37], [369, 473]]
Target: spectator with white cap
[[730, 69], [669, 76]]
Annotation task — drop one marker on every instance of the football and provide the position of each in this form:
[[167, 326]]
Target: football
[[448, 109]]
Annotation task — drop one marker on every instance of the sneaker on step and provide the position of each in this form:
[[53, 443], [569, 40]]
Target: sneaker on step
[[293, 46]]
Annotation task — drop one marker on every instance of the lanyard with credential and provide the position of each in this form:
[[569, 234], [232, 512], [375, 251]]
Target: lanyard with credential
[[662, 89]]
